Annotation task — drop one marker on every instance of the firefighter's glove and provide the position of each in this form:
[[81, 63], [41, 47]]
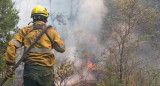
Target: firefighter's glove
[[10, 72]]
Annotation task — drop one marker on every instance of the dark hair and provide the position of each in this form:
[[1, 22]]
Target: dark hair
[[39, 18]]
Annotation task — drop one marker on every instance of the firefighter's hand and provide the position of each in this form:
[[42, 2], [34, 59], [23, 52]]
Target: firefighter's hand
[[10, 72]]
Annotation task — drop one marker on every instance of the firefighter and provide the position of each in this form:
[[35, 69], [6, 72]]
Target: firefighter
[[38, 68]]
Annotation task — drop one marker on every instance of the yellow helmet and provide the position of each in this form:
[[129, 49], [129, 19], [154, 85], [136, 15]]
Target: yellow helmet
[[39, 10]]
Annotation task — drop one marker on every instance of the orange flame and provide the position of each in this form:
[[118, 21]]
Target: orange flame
[[90, 64]]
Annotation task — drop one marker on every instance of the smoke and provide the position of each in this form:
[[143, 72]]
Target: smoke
[[84, 26], [83, 19]]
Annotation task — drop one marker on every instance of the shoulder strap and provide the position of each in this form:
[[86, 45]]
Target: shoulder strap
[[28, 50], [49, 39], [35, 27]]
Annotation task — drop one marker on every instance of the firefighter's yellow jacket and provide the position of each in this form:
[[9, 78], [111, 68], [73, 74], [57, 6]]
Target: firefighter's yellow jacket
[[42, 53]]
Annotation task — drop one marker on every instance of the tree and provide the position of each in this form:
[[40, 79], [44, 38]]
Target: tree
[[8, 20], [122, 68], [108, 21]]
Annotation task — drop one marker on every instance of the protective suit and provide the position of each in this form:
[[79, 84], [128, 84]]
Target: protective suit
[[42, 53], [38, 68]]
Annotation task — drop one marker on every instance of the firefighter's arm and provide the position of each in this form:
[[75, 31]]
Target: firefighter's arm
[[15, 43], [58, 43]]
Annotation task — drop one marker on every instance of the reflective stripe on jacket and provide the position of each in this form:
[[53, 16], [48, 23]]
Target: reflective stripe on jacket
[[42, 52]]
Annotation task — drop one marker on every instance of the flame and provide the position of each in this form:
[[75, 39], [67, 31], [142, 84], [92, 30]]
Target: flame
[[90, 64]]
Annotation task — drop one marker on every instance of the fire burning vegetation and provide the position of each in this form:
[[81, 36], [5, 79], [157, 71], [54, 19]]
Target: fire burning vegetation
[[90, 64], [108, 42]]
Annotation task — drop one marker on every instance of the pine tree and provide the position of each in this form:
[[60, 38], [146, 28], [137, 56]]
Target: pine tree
[[8, 20]]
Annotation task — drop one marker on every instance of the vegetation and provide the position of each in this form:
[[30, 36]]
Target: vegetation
[[62, 74], [8, 20], [133, 24]]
